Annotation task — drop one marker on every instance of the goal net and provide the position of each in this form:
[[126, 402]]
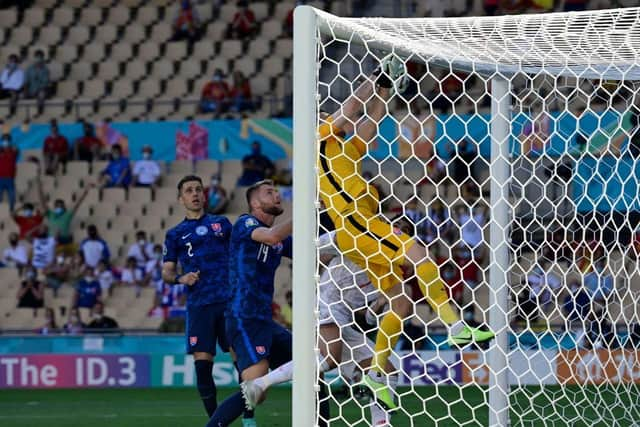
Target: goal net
[[509, 148]]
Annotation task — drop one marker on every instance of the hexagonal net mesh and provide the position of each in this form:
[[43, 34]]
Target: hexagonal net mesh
[[479, 176]]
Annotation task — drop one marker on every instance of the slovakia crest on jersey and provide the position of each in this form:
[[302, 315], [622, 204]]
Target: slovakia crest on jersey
[[193, 341], [216, 227], [250, 222], [260, 350], [201, 230]]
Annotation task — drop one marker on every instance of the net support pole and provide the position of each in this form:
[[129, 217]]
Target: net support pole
[[499, 229], [304, 216]]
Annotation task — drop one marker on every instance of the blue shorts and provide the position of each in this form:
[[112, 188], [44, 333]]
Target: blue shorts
[[254, 339], [205, 327]]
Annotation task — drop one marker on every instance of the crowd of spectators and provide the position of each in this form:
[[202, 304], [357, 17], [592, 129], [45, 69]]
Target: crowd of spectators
[[218, 97]]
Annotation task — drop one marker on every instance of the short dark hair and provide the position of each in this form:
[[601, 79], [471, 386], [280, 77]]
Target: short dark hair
[[39, 52], [116, 147], [59, 201], [255, 187], [186, 179]]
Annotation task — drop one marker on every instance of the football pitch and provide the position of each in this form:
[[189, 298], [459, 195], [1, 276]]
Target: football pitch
[[602, 406]]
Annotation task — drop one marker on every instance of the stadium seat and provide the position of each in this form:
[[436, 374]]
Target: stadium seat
[[259, 48], [260, 10], [189, 70], [78, 170], [271, 30], [90, 17], [205, 12], [134, 34], [139, 195], [106, 34], [282, 10], [148, 51], [9, 17], [231, 49], [163, 69], [238, 202], [96, 54], [167, 194], [218, 62], [62, 16], [113, 236], [68, 89], [121, 52], [136, 69], [119, 16], [21, 36], [216, 31], [203, 49], [206, 168], [78, 36], [114, 196], [66, 54], [245, 65], [108, 71], [227, 11], [121, 89], [260, 85], [50, 36], [176, 88], [175, 51], [147, 15], [181, 167], [284, 48], [273, 66], [93, 89], [149, 88], [33, 17], [161, 32]]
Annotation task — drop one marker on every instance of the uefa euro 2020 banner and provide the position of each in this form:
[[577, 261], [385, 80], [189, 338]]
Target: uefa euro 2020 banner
[[420, 369]]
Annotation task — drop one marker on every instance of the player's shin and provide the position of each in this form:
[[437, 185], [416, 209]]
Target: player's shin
[[379, 416], [434, 290], [228, 411], [206, 385]]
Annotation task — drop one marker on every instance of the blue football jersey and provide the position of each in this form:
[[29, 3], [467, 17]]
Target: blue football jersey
[[252, 270], [202, 245]]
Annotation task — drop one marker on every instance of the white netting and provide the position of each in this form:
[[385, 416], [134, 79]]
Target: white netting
[[572, 274]]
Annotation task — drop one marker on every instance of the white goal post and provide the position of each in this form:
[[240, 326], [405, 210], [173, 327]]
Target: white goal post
[[566, 51]]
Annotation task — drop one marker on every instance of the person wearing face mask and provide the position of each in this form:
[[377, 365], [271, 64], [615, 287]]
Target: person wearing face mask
[[141, 250], [215, 95], [50, 326], [74, 323], [153, 270], [255, 166], [31, 292], [94, 248], [88, 147], [146, 172], [60, 218], [186, 25], [16, 255], [28, 219], [8, 169], [44, 249], [118, 170], [101, 321], [217, 198], [88, 291], [55, 150], [37, 82], [11, 81]]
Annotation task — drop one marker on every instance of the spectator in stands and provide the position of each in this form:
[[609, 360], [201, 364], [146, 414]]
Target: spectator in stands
[[471, 227], [451, 277], [575, 5], [50, 326], [8, 168], [74, 323], [88, 290], [215, 95], [59, 218], [101, 321], [118, 170], [94, 248], [469, 268], [255, 166], [599, 284], [44, 248], [132, 275], [437, 222], [55, 150], [88, 147], [76, 266], [288, 20], [241, 93], [186, 25], [28, 219], [31, 293], [141, 250], [412, 212], [105, 277], [153, 269], [543, 283], [244, 22], [57, 274], [217, 198], [16, 255], [146, 172], [11, 82], [37, 83]]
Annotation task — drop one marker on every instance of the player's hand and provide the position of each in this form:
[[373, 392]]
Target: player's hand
[[371, 317], [190, 279]]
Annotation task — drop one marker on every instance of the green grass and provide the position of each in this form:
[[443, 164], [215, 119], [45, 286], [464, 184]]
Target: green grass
[[451, 406]]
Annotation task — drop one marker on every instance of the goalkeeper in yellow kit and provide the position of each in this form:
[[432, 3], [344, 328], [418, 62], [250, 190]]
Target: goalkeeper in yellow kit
[[368, 240]]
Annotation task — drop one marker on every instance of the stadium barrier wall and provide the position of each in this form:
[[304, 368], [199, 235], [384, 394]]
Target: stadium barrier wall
[[156, 361]]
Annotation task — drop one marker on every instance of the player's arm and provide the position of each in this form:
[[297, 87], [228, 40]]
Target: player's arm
[[170, 275], [272, 235], [327, 250]]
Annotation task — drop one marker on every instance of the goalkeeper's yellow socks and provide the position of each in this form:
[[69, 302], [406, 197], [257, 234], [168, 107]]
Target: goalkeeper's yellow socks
[[433, 288], [386, 339]]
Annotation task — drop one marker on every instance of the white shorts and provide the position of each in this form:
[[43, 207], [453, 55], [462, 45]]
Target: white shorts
[[356, 347]]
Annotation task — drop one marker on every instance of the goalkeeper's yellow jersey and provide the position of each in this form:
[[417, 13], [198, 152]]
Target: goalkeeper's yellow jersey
[[342, 188]]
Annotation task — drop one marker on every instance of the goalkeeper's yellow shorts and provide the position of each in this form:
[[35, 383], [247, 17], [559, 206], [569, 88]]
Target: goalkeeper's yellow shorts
[[373, 244]]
